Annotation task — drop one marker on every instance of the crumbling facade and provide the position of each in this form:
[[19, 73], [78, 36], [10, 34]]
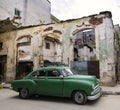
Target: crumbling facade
[[117, 49], [86, 45], [28, 48], [90, 44]]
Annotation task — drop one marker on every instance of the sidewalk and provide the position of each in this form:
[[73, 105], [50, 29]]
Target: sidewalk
[[111, 90], [6, 85], [105, 89]]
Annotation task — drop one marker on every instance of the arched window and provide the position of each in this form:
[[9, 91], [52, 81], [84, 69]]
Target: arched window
[[85, 37], [84, 45], [24, 47]]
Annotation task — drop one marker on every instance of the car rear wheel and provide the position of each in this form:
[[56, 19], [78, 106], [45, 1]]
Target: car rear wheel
[[79, 97], [24, 93]]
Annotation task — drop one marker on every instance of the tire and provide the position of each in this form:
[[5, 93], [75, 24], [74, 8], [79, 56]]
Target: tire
[[24, 93], [79, 97]]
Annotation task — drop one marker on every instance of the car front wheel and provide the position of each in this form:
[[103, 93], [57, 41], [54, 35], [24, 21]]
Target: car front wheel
[[79, 97], [24, 93]]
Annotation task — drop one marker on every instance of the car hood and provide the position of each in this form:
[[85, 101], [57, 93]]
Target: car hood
[[84, 77]]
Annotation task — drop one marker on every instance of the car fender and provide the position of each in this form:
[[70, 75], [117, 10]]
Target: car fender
[[71, 86], [28, 83]]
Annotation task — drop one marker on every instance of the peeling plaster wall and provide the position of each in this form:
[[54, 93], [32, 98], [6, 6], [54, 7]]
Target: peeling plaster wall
[[54, 54], [9, 50], [107, 53], [67, 45], [35, 42], [39, 52]]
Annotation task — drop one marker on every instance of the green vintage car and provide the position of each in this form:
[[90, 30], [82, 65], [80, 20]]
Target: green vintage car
[[58, 81]]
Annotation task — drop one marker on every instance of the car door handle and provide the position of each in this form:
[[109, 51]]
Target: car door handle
[[46, 78]]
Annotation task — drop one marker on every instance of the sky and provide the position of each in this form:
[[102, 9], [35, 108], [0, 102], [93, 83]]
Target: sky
[[71, 9]]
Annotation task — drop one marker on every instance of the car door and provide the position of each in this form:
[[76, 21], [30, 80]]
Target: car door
[[39, 78], [54, 83]]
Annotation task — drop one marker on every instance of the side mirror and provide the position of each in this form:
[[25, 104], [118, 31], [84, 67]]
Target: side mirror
[[61, 76]]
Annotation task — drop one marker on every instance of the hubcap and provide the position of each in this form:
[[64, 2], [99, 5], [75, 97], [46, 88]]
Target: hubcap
[[79, 97], [24, 93]]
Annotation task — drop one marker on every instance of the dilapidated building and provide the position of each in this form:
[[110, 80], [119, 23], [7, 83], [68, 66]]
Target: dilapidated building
[[87, 45], [26, 12], [27, 48], [91, 46]]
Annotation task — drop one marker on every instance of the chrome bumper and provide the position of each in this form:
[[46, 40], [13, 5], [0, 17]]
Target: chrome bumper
[[94, 97], [11, 88]]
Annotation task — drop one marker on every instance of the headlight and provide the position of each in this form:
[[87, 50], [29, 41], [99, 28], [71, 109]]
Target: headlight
[[98, 80]]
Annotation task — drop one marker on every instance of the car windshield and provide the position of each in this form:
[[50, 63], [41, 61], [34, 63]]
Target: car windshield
[[67, 72]]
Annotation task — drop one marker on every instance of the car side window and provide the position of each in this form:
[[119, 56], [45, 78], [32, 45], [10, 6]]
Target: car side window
[[53, 73], [39, 74]]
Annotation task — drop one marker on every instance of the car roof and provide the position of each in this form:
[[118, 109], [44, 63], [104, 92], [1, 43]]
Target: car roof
[[51, 67]]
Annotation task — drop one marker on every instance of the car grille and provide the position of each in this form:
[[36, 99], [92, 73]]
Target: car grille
[[96, 89]]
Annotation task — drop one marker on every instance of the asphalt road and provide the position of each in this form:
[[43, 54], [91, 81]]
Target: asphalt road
[[9, 100]]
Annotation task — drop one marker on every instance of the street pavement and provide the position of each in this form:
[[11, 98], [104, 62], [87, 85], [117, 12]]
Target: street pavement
[[9, 100]]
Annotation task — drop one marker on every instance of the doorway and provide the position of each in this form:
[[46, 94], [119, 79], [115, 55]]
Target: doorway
[[23, 68], [3, 67], [86, 68]]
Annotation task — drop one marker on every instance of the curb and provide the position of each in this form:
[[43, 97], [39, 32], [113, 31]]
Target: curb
[[7, 86], [110, 93], [1, 86]]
